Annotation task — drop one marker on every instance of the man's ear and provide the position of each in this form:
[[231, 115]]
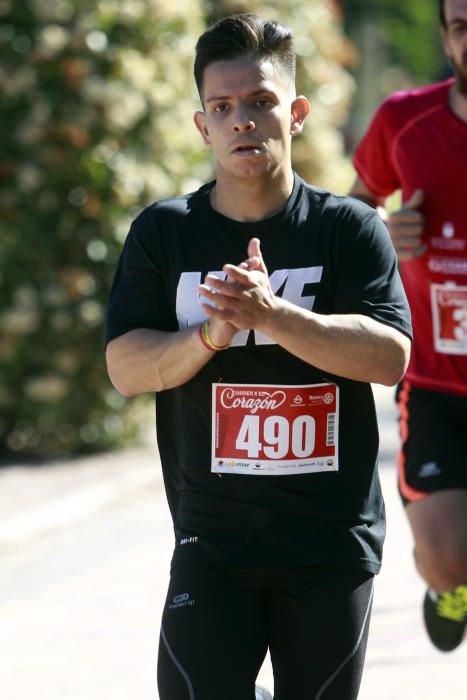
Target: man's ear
[[298, 113], [200, 121]]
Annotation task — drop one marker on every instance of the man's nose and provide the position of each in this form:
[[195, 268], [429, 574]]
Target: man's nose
[[242, 120]]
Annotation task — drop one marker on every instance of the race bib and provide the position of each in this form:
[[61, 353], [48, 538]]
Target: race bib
[[274, 430], [449, 309]]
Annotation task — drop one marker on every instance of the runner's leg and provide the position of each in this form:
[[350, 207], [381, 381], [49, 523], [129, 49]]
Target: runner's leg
[[319, 630], [439, 527], [213, 635], [433, 482], [433, 487]]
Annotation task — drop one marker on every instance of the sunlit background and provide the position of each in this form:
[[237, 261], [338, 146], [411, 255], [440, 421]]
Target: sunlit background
[[96, 120]]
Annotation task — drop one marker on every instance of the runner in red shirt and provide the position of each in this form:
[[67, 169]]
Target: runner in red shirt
[[417, 143]]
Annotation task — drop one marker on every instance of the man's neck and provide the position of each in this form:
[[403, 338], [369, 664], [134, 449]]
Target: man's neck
[[458, 102], [251, 199]]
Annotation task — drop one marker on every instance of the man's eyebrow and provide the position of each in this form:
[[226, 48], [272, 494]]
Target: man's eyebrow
[[255, 93], [220, 97], [457, 20]]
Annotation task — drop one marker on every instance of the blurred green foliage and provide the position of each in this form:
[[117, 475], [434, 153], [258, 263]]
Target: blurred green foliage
[[410, 31], [93, 98], [95, 114]]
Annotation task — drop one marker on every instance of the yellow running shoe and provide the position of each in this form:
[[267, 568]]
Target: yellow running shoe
[[445, 616]]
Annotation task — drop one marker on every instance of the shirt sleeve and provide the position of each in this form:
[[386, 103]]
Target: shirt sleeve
[[368, 280], [138, 297], [373, 159]]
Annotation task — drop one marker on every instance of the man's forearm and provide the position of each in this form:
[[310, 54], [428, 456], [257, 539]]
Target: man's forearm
[[348, 345], [145, 360]]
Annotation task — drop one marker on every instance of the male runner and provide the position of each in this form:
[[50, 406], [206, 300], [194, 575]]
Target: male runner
[[261, 356], [417, 142]]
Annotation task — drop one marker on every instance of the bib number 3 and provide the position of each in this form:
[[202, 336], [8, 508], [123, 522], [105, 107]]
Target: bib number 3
[[449, 311]]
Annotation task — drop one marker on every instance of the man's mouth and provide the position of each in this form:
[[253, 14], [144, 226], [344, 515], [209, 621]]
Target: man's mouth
[[247, 148]]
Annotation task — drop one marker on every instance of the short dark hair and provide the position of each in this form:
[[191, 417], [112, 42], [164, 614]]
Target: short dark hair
[[242, 35], [442, 16]]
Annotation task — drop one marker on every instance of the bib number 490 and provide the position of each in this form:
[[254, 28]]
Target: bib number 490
[[278, 438]]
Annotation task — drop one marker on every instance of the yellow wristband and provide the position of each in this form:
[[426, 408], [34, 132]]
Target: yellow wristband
[[206, 340]]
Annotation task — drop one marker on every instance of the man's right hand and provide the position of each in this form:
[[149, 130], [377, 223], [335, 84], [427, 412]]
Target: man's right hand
[[406, 227]]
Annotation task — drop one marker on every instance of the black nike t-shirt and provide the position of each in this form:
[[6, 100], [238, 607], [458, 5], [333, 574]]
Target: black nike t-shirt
[[324, 252]]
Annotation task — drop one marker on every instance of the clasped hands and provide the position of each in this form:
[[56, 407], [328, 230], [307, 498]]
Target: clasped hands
[[241, 300]]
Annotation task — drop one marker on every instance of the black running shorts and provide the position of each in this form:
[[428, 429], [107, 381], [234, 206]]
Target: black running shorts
[[219, 622], [433, 454]]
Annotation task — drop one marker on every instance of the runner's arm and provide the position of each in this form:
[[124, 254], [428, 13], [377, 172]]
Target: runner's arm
[[360, 191], [354, 346], [348, 345], [405, 225], [145, 360]]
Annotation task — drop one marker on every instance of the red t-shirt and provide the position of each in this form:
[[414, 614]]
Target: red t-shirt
[[415, 141]]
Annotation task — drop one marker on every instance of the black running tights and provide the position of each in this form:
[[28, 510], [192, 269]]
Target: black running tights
[[218, 624]]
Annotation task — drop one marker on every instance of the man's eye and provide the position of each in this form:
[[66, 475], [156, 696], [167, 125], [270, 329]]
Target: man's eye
[[220, 108], [264, 103], [459, 29]]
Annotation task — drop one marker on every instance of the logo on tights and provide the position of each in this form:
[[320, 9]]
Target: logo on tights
[[182, 600]]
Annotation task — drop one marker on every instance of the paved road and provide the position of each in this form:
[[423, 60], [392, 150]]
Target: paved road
[[84, 552]]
